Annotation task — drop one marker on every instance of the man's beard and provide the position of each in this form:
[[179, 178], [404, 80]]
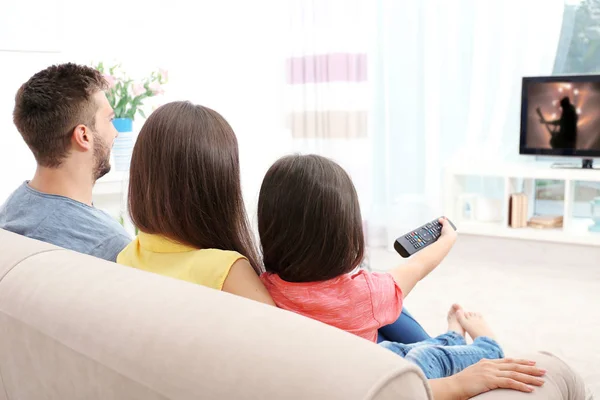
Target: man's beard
[[101, 158]]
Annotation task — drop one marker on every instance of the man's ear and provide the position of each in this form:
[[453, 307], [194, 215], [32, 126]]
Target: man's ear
[[82, 138]]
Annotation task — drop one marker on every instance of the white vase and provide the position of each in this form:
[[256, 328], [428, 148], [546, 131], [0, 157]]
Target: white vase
[[123, 145], [122, 149]]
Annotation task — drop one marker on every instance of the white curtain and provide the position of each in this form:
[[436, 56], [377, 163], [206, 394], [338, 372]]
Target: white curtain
[[447, 78], [228, 55], [328, 94]]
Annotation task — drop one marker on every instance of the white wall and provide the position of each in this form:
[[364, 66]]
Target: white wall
[[23, 51], [16, 161], [225, 54], [18, 17]]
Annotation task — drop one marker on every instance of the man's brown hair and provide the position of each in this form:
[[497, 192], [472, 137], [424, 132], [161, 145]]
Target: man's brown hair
[[51, 104], [309, 220], [185, 181]]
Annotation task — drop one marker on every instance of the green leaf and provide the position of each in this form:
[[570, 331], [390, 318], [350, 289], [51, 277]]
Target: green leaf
[[111, 98], [122, 103], [121, 97]]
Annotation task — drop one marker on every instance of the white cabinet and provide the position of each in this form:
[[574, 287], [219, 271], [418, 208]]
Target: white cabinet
[[516, 178]]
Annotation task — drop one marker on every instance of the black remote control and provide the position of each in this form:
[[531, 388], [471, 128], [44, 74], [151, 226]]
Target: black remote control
[[409, 244]]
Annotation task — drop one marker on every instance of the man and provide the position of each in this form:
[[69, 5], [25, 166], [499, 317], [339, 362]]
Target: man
[[564, 136], [64, 117]]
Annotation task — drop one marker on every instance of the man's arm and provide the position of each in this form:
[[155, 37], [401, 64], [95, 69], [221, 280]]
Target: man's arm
[[446, 389]]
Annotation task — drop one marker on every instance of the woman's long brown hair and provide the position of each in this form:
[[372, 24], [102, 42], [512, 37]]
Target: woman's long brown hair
[[185, 181]]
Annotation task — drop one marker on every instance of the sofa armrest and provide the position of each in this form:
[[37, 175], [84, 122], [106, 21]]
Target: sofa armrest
[[562, 382]]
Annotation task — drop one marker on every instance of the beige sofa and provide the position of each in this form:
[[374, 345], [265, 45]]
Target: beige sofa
[[75, 327]]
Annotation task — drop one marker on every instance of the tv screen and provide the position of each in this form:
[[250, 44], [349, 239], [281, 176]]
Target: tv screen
[[560, 115]]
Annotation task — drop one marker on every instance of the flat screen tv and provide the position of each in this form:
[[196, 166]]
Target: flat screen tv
[[560, 116]]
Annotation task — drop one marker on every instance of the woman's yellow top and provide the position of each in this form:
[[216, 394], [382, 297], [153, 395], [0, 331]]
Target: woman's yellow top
[[156, 253]]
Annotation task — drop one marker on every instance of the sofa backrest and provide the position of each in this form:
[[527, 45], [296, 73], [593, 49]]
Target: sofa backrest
[[76, 327]]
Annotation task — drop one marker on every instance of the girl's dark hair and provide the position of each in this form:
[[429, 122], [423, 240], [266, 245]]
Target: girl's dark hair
[[309, 220], [185, 181]]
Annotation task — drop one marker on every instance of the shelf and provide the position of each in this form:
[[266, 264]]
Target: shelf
[[519, 177], [525, 170], [575, 233]]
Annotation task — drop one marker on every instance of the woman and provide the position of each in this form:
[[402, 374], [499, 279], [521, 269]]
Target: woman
[[185, 198]]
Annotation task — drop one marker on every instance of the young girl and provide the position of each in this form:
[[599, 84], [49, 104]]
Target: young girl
[[186, 199], [310, 228]]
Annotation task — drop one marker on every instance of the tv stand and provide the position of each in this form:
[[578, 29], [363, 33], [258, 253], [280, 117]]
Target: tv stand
[[586, 163], [515, 178]]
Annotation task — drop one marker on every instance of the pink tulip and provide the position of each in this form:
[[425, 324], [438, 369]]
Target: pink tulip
[[110, 80], [138, 89], [164, 73], [156, 88]]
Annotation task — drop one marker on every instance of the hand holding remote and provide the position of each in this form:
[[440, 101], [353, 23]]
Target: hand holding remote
[[426, 235], [436, 238], [448, 231]]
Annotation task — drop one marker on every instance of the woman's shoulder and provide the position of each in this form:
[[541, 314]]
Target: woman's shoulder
[[221, 260], [218, 255], [211, 267]]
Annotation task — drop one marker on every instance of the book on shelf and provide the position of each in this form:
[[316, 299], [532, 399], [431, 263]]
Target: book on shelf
[[517, 210], [546, 221]]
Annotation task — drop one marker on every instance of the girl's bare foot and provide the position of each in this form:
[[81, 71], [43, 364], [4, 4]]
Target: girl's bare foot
[[453, 322], [475, 325]]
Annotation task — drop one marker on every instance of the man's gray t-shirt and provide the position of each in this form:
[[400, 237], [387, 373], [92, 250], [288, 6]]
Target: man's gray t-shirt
[[63, 222]]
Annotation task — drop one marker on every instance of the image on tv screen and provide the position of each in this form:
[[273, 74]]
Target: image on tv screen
[[563, 115]]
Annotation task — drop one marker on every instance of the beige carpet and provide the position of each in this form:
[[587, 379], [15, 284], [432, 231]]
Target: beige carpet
[[536, 296]]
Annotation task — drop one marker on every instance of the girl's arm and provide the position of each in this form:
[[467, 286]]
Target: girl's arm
[[425, 261], [242, 281]]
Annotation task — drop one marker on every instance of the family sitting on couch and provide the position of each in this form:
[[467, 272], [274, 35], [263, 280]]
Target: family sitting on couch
[[185, 198]]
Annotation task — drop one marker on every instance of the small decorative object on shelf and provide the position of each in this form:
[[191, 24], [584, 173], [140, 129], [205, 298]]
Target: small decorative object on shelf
[[546, 221], [467, 203], [517, 210], [521, 177], [595, 204], [126, 97]]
